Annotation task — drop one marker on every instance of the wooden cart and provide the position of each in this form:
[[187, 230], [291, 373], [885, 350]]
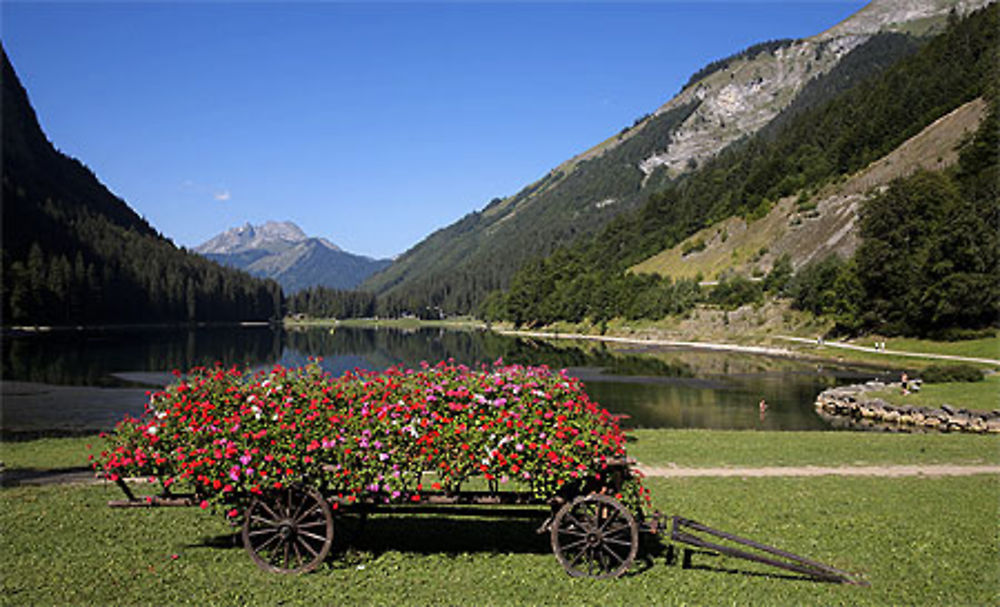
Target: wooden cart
[[292, 530]]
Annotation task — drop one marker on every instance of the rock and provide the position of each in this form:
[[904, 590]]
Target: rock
[[948, 409]]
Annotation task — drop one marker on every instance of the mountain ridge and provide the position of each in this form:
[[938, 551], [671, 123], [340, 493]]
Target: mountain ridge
[[281, 250]]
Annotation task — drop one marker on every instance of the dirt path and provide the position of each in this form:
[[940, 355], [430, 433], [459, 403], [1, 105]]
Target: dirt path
[[704, 345], [846, 346], [74, 476], [885, 471]]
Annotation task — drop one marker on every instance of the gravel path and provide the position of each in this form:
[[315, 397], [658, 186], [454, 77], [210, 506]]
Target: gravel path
[[846, 346], [70, 476], [704, 345]]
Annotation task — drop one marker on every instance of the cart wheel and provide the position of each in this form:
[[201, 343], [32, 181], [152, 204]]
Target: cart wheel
[[595, 536], [289, 530]]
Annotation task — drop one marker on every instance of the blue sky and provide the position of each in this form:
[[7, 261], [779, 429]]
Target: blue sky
[[370, 124]]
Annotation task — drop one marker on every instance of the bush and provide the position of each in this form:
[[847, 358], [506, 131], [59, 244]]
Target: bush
[[735, 291], [939, 374], [693, 246]]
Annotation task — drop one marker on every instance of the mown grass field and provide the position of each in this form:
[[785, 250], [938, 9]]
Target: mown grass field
[[916, 540], [982, 395], [987, 347]]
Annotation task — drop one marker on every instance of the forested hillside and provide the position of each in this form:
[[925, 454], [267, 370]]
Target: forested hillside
[[723, 104], [73, 253], [456, 267], [816, 143]]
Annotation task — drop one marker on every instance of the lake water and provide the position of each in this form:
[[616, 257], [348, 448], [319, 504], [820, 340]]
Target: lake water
[[71, 381]]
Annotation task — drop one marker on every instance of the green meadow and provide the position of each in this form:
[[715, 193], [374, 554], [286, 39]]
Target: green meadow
[[916, 540]]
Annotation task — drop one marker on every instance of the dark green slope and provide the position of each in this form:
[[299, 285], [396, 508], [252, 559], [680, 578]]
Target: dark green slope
[[456, 266], [74, 253]]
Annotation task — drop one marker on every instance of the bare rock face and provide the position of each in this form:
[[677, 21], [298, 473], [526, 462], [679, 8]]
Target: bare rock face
[[744, 96], [247, 237]]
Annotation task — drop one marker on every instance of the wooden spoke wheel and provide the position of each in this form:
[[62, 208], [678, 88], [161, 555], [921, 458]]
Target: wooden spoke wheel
[[595, 536], [289, 530]]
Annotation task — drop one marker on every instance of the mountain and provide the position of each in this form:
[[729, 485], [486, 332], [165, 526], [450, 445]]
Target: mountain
[[273, 235], [282, 251], [879, 193], [725, 103], [74, 253]]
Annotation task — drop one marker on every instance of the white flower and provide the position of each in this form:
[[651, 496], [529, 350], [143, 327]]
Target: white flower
[[151, 430]]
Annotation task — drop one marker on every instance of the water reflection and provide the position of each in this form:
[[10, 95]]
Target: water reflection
[[654, 387]]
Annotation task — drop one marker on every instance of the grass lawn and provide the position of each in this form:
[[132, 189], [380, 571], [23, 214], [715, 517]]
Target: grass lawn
[[49, 453], [737, 448], [982, 395], [917, 541], [974, 348]]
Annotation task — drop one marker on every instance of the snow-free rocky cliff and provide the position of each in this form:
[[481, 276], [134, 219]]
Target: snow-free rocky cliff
[[746, 95]]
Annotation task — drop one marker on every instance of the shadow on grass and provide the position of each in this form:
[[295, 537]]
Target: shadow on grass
[[357, 541], [14, 477], [686, 561], [424, 535]]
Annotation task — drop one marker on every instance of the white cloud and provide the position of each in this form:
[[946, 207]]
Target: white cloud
[[217, 192]]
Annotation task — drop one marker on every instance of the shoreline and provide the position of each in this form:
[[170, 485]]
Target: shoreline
[[759, 350], [663, 343]]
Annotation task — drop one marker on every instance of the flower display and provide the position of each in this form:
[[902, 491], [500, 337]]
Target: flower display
[[390, 436]]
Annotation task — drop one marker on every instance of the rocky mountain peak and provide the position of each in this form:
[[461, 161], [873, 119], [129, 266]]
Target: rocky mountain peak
[[270, 235]]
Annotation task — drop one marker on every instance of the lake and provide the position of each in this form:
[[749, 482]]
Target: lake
[[72, 381]]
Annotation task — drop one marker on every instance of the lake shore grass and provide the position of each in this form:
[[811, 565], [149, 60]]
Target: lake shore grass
[[978, 396]]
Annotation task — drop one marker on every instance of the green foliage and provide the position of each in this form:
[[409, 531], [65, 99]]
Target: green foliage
[[735, 291], [778, 278], [939, 374], [930, 256], [322, 302], [829, 287], [693, 246]]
